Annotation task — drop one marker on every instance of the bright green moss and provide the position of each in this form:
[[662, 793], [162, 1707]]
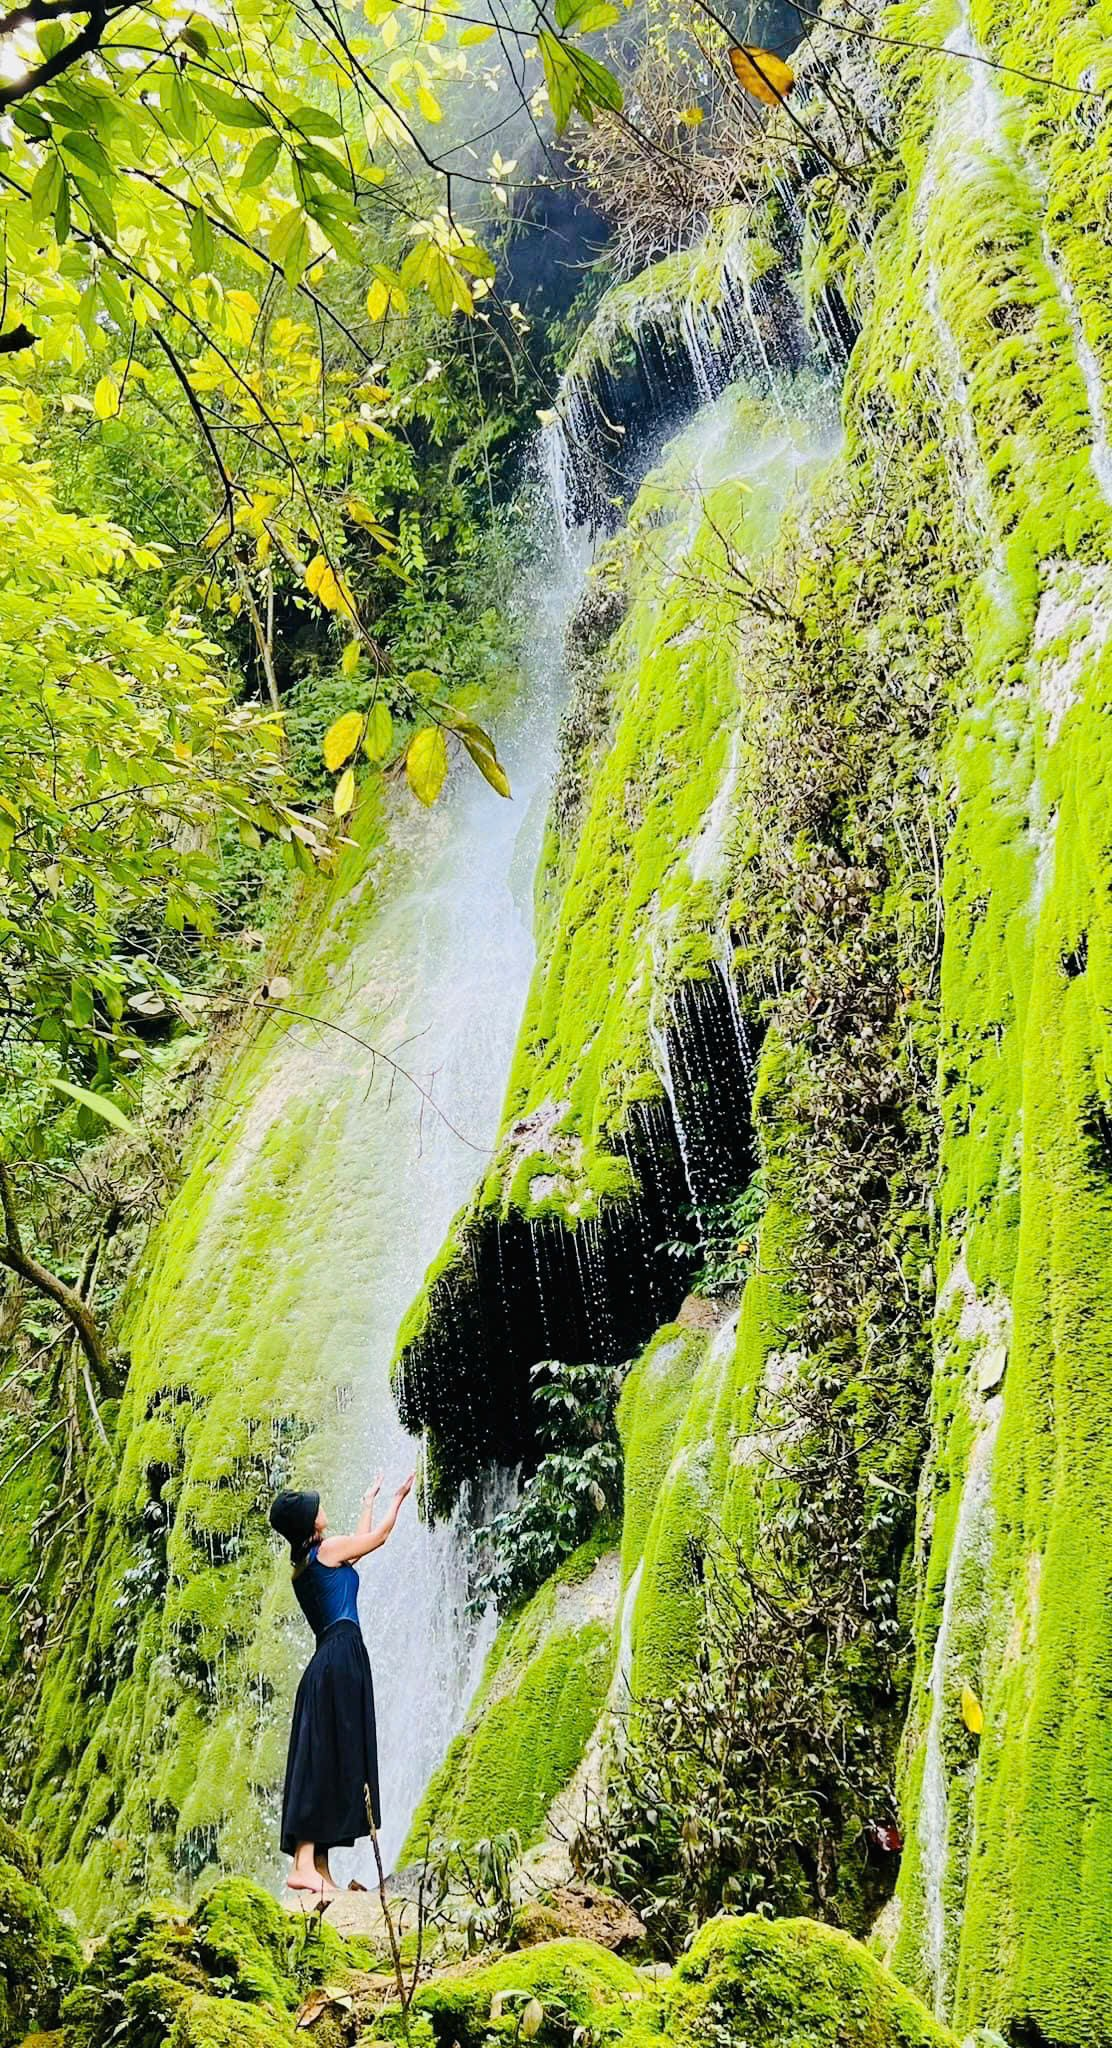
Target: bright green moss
[[39, 1954], [984, 269], [577, 1984], [790, 1984]]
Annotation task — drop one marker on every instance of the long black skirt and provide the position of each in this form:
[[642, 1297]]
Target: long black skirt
[[333, 1752]]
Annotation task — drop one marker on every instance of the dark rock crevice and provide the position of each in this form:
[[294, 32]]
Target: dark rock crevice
[[526, 1288]]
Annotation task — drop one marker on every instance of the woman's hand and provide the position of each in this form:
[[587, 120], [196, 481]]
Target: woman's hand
[[405, 1487], [373, 1491]]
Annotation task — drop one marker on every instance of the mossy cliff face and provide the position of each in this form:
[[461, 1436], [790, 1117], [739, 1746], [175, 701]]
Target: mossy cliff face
[[1010, 1838], [155, 1735], [915, 780], [543, 1690]]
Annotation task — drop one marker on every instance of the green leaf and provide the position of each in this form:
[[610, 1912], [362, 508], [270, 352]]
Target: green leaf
[[260, 162], [560, 76], [314, 121], [289, 245], [329, 214], [598, 86], [181, 107], [30, 123], [97, 205], [99, 1104], [62, 213], [232, 108], [324, 165], [478, 261], [202, 243], [86, 150], [579, 17], [46, 186], [480, 746], [379, 733]]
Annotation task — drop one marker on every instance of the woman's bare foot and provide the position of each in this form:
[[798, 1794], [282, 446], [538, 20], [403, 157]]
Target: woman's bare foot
[[322, 1887], [308, 1873]]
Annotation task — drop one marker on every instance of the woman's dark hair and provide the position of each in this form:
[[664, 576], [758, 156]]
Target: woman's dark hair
[[294, 1516]]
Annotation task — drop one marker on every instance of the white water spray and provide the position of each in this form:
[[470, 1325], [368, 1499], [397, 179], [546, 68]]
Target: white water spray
[[445, 963]]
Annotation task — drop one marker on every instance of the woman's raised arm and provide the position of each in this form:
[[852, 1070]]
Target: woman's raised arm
[[368, 1535]]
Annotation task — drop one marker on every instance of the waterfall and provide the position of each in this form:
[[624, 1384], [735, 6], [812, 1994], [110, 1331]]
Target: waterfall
[[444, 964]]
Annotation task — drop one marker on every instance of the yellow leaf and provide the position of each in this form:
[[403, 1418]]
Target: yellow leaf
[[481, 749], [479, 32], [349, 659], [379, 733], [241, 312], [106, 399], [318, 567], [690, 117], [429, 104], [426, 763], [341, 739], [378, 300], [972, 1712], [343, 796], [767, 77]]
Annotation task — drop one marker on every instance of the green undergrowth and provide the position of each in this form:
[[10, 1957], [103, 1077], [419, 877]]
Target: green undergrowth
[[238, 1971]]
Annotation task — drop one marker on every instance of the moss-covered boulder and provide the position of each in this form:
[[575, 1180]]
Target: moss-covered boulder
[[235, 1971], [791, 1984], [575, 1983], [39, 1954]]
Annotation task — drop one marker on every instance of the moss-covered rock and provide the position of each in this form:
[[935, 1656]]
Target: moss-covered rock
[[39, 1954], [238, 1961], [790, 1984], [576, 1984]]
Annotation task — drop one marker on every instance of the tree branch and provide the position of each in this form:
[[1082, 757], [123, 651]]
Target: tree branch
[[84, 42], [18, 1260]]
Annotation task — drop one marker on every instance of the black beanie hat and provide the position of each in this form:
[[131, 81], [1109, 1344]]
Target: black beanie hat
[[294, 1516]]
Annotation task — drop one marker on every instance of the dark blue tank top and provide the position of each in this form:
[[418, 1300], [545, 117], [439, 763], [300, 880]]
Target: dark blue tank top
[[327, 1593]]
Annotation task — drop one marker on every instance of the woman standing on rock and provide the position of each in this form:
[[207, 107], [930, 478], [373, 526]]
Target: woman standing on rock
[[333, 1754]]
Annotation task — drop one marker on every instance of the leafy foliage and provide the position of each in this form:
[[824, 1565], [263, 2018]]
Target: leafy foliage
[[120, 745], [577, 1481], [734, 1792]]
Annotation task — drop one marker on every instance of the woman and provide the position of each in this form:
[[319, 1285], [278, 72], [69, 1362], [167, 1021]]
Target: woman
[[332, 1754]]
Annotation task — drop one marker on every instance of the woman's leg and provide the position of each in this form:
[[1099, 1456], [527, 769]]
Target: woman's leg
[[320, 1859]]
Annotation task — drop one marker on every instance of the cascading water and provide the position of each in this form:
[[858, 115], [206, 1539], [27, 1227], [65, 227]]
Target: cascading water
[[443, 969]]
